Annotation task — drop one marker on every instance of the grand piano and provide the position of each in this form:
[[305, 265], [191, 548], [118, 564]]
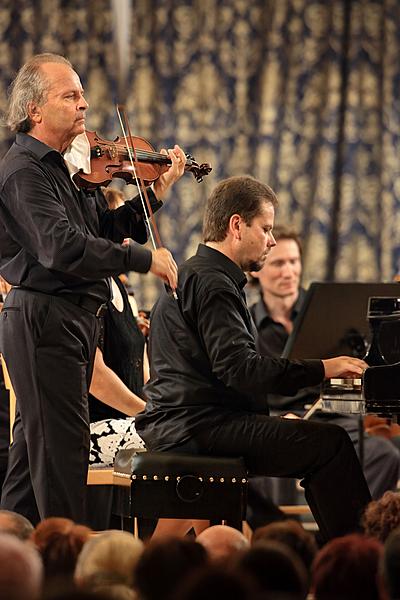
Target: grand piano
[[356, 319], [378, 391]]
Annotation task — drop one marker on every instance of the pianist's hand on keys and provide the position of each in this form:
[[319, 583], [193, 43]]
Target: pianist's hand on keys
[[344, 366]]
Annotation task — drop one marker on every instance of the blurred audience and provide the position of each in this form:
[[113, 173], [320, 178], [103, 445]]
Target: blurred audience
[[347, 569], [292, 534], [15, 524], [216, 583], [390, 566], [59, 542], [107, 563], [21, 570], [222, 542], [382, 516], [163, 566], [275, 569]]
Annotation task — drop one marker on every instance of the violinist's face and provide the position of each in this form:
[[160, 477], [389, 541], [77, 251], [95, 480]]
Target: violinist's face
[[256, 239], [62, 116]]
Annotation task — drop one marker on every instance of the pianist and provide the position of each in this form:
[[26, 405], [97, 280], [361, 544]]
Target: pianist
[[274, 313], [207, 392]]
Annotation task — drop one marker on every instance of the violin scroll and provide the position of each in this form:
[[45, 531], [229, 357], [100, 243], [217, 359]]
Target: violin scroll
[[199, 171]]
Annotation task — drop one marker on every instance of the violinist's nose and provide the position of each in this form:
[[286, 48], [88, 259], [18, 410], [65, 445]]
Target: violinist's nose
[[83, 104]]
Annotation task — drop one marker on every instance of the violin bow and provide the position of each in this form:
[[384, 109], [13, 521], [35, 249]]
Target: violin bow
[[144, 198]]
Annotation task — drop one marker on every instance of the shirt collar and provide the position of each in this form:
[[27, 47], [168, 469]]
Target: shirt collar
[[225, 263], [261, 312], [34, 145]]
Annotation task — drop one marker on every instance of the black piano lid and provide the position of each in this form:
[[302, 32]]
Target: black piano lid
[[333, 321]]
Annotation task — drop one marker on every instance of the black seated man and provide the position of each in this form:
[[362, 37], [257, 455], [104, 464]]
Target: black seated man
[[208, 388]]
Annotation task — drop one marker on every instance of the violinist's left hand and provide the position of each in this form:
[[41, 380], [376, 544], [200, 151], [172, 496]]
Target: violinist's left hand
[[175, 172]]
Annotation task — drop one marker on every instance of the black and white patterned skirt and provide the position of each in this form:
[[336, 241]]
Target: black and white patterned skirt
[[111, 435]]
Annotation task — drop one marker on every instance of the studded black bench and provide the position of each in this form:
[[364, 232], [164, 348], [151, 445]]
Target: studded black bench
[[156, 485]]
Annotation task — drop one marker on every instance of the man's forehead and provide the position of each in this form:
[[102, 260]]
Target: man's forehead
[[267, 211], [285, 248], [60, 75]]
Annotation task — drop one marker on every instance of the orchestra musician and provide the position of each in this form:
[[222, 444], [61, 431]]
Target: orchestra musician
[[59, 245], [208, 385]]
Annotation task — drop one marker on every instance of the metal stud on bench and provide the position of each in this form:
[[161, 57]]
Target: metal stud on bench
[[179, 486]]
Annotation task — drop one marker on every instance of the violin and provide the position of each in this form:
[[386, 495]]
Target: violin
[[111, 159]]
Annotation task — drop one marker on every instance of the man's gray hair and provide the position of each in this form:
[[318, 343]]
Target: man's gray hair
[[29, 86]]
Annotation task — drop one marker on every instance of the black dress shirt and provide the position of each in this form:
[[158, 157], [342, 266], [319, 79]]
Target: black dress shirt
[[57, 239], [204, 363], [270, 341]]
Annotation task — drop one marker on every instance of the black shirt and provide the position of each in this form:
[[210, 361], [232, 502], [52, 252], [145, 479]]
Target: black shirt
[[270, 341], [55, 238], [204, 363], [272, 336]]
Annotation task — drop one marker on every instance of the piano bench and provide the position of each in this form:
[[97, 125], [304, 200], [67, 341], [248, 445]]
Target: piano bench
[[155, 485]]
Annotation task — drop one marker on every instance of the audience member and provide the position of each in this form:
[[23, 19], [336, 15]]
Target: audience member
[[59, 542], [21, 570], [390, 566], [108, 559], [163, 565], [382, 516], [347, 568], [276, 569], [214, 583], [15, 524], [292, 534], [222, 542]]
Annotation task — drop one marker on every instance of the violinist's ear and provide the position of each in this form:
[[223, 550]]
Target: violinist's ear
[[34, 112]]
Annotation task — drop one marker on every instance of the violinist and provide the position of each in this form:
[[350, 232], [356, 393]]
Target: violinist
[[59, 245]]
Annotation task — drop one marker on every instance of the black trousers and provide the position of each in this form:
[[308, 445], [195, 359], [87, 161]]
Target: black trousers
[[322, 455], [49, 345]]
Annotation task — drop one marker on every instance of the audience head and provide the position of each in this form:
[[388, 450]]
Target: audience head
[[21, 570], [390, 565], [162, 565], [216, 583], [59, 542], [382, 516], [347, 568], [275, 569], [108, 559], [222, 542], [292, 534], [15, 524]]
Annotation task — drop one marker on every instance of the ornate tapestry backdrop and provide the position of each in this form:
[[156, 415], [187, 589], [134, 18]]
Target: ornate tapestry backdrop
[[300, 93]]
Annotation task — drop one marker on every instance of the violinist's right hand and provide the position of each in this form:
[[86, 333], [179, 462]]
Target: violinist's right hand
[[164, 266]]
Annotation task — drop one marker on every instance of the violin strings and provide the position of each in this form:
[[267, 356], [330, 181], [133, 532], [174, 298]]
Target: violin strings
[[137, 182], [140, 153]]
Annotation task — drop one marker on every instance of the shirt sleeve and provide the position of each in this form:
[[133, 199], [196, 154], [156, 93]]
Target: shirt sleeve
[[127, 220], [37, 218], [223, 327]]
